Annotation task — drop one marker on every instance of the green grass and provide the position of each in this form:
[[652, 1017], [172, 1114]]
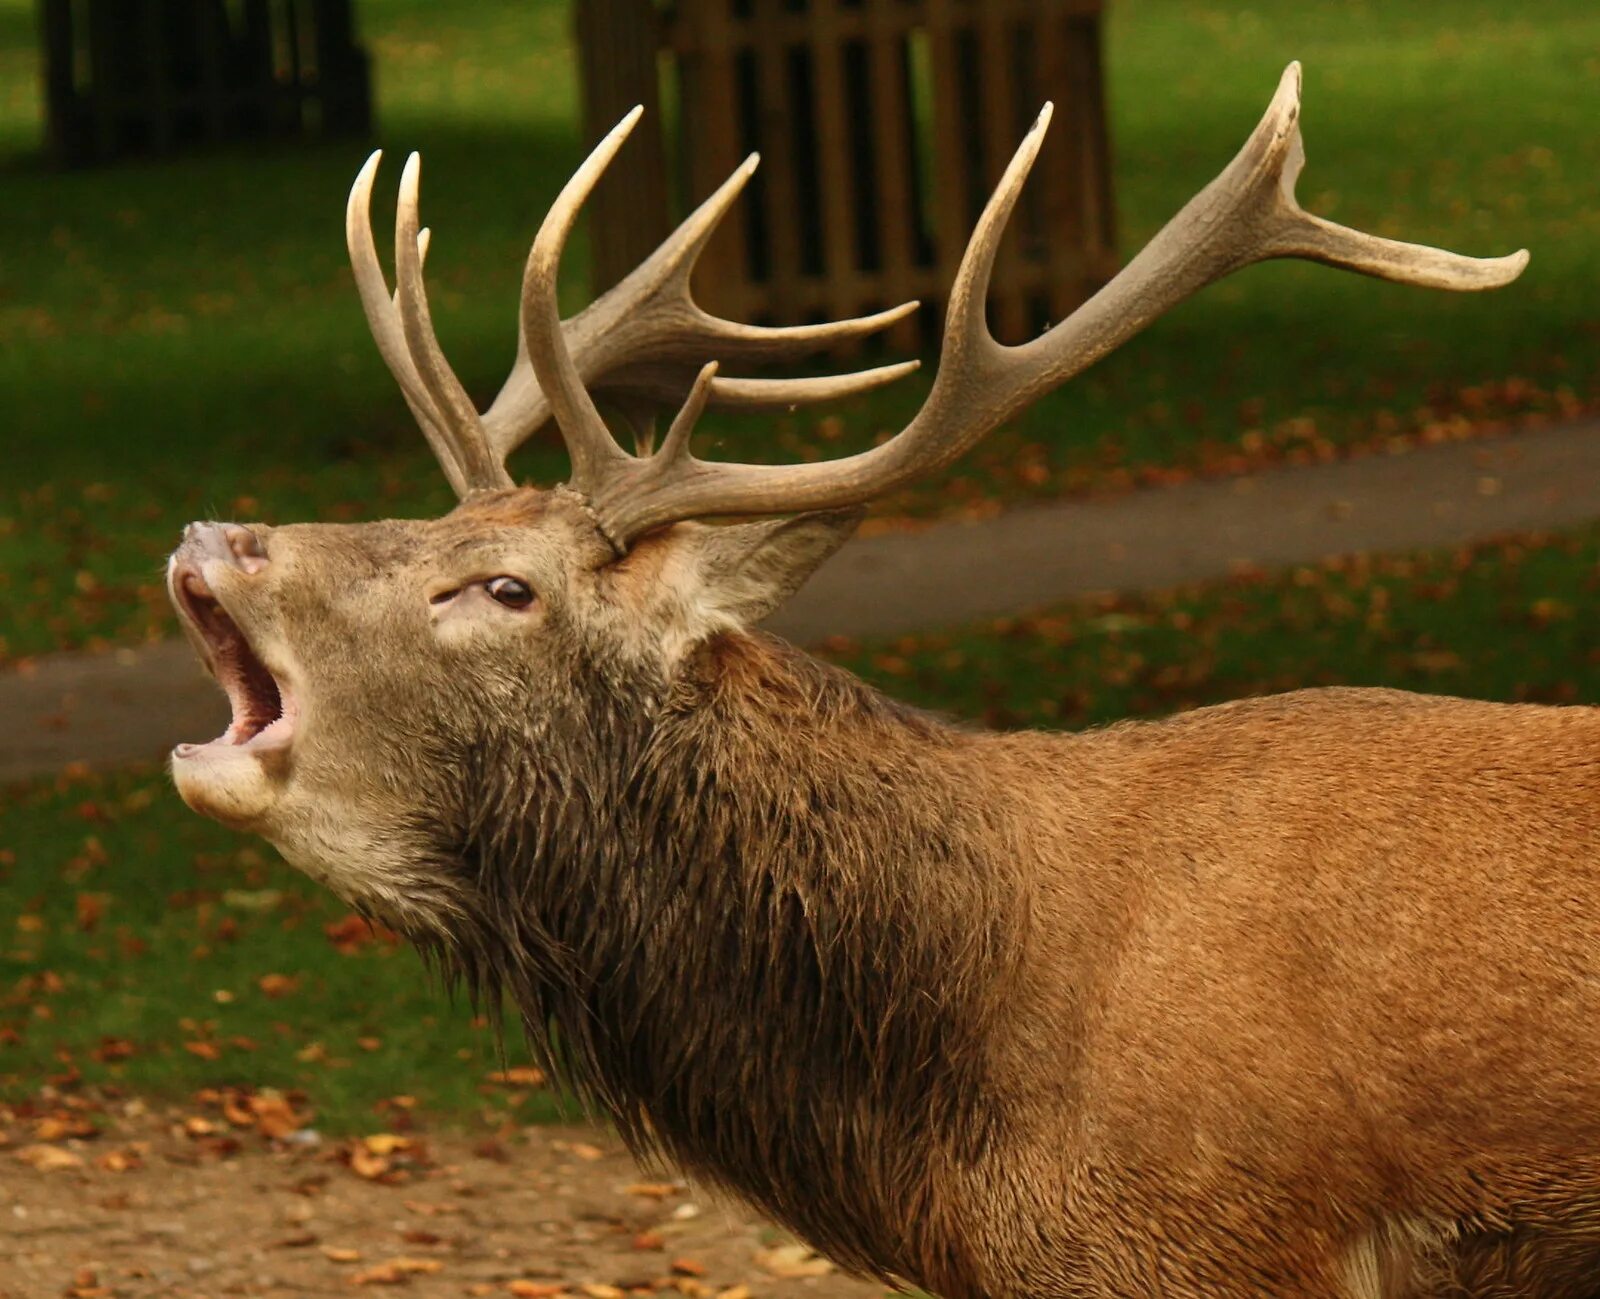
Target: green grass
[[180, 339], [1514, 621], [148, 948], [129, 920]]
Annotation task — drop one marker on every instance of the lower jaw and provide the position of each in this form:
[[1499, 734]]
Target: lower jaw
[[235, 784]]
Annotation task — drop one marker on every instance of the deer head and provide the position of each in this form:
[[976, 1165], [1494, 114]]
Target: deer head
[[396, 686]]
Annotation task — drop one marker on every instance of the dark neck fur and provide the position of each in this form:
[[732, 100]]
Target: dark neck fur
[[765, 943]]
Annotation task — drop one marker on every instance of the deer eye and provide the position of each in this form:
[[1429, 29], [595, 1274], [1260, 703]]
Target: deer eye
[[512, 592]]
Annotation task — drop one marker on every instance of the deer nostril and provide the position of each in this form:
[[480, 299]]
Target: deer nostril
[[246, 547]]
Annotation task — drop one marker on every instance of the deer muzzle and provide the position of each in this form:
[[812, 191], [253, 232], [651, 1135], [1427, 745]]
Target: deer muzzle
[[227, 777]]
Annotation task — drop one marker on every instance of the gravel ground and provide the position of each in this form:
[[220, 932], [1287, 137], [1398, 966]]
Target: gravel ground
[[185, 1204]]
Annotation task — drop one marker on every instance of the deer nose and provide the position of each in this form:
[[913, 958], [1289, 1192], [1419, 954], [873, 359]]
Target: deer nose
[[231, 541]]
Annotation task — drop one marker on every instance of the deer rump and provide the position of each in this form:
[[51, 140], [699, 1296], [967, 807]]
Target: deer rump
[[1291, 996]]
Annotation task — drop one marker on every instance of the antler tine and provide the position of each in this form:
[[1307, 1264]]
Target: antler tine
[[1247, 214], [480, 467], [665, 383], [686, 338], [383, 318], [1317, 239], [403, 330], [776, 394], [785, 342], [647, 336], [522, 407], [590, 445], [676, 444]]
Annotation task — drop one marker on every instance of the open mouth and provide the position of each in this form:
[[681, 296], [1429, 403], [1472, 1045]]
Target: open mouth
[[263, 713]]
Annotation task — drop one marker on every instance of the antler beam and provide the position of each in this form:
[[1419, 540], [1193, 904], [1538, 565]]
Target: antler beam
[[1247, 214]]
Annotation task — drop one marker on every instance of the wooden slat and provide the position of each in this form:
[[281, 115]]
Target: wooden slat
[[713, 150], [103, 63], [1008, 312], [63, 123], [1056, 177], [343, 80], [155, 107], [892, 136], [258, 36], [835, 174], [287, 90], [949, 191], [627, 213], [1100, 223], [776, 127], [213, 92]]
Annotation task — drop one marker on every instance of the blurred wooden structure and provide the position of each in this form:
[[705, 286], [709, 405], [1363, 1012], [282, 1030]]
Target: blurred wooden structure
[[155, 76], [882, 125]]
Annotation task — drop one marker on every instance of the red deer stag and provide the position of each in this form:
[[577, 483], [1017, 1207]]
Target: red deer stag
[[1297, 996]]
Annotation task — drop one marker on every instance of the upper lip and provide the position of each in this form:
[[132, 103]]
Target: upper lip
[[262, 708]]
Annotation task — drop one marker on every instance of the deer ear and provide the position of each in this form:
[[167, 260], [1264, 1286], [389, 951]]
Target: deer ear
[[747, 570]]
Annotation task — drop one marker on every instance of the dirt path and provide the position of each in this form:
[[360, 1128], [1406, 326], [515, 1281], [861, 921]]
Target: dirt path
[[181, 1205], [135, 704]]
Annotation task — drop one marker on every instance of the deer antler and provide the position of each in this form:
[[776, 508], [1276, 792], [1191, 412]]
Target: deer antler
[[1247, 214], [641, 342]]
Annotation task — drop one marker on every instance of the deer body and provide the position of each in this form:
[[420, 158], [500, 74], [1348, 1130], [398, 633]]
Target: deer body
[[1297, 996], [1286, 980]]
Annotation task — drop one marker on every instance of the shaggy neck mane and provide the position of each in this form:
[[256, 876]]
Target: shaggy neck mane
[[733, 939]]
